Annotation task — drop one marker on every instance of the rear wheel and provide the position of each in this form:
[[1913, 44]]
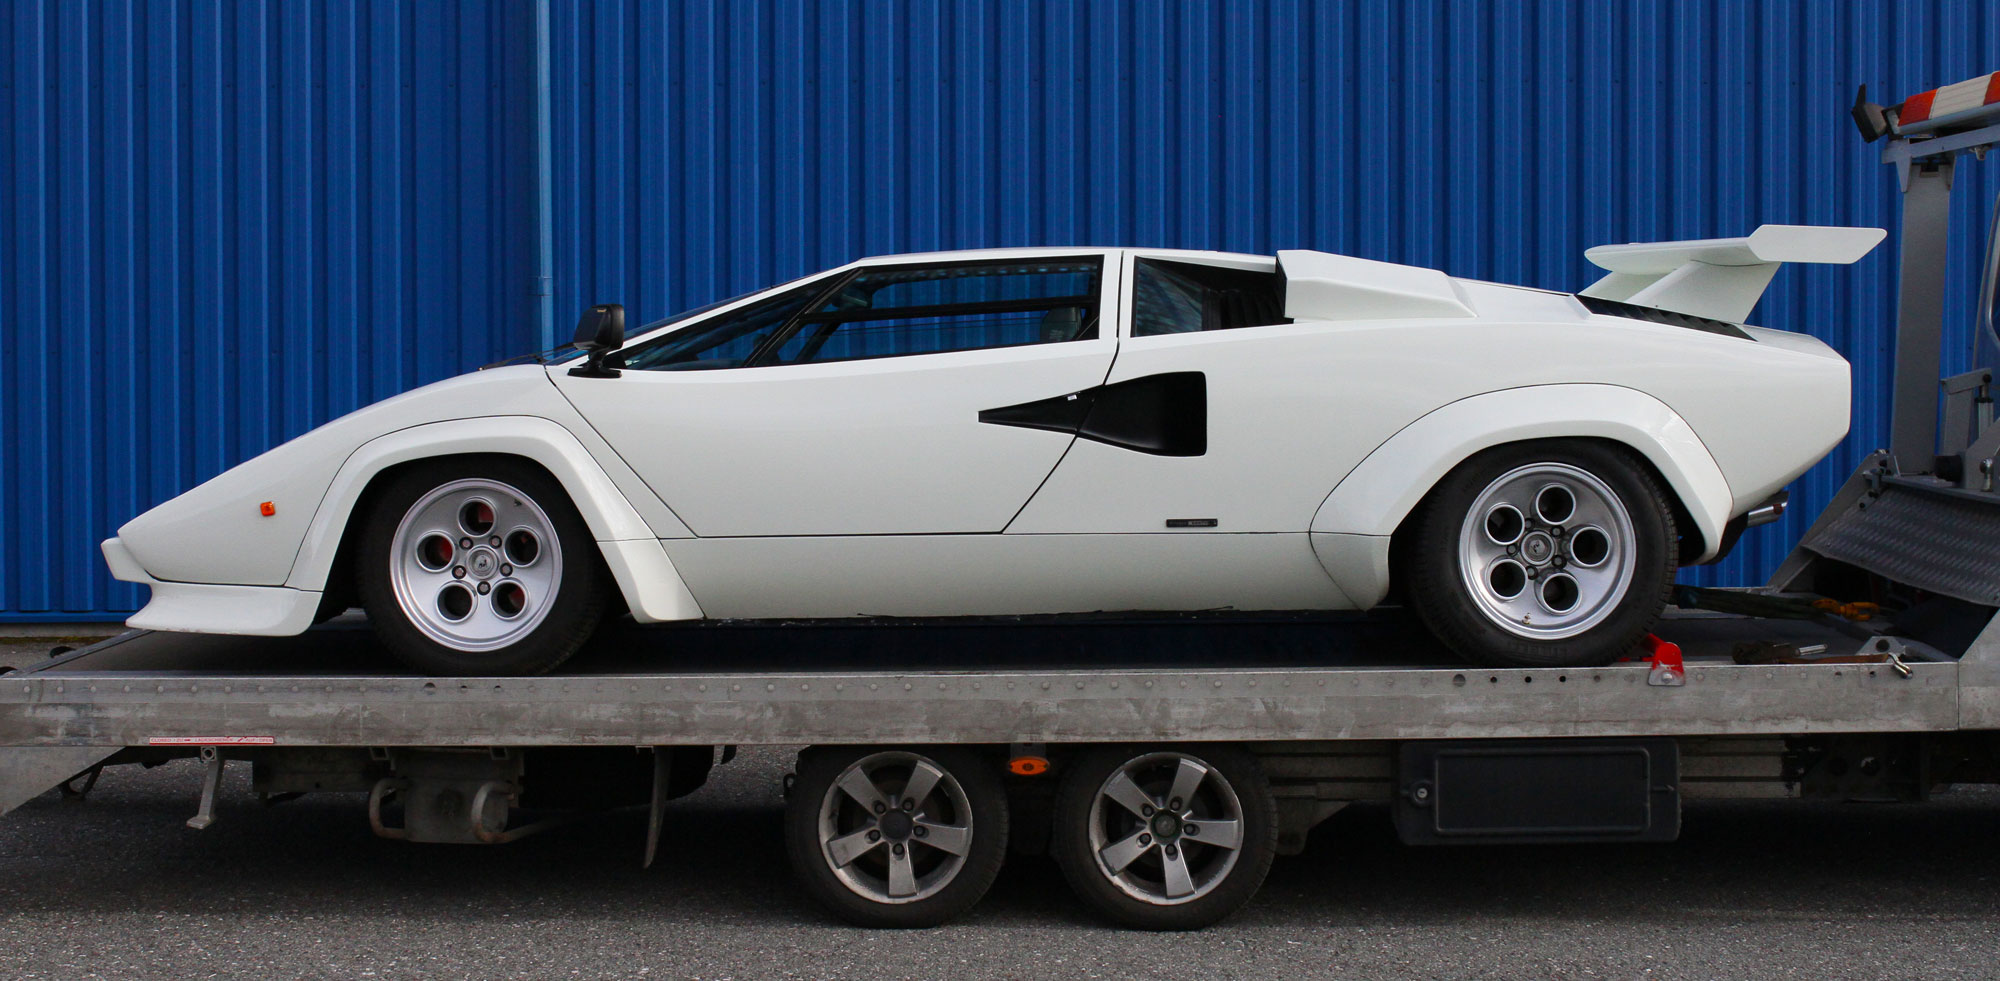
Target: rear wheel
[[479, 566], [1548, 554], [1165, 839], [896, 837]]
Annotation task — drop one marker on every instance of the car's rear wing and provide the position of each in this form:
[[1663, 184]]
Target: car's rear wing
[[1719, 278]]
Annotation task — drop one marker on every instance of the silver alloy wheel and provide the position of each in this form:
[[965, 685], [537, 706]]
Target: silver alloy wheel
[[1547, 551], [895, 827], [475, 564], [1166, 828]]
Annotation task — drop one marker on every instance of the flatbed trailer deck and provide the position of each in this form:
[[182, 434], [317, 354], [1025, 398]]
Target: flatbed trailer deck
[[1335, 709]]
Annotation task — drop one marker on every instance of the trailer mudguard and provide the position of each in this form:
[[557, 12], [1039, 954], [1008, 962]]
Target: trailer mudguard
[[1375, 496], [644, 573]]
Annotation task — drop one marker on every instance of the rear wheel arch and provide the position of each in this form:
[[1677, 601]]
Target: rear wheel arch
[[1692, 544], [1381, 494]]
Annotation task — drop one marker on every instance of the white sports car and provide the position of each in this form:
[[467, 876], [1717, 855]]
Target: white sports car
[[1047, 431]]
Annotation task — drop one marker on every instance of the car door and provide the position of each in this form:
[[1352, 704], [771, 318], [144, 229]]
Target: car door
[[850, 406]]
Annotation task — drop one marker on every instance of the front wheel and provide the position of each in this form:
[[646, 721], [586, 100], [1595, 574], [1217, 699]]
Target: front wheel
[[479, 566], [1546, 554]]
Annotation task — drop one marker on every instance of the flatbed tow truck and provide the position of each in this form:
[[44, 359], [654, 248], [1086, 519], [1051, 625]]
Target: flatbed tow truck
[[1868, 668]]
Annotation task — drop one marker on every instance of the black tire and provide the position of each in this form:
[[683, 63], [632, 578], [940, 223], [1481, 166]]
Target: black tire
[[1094, 882], [1437, 590], [573, 612], [985, 803]]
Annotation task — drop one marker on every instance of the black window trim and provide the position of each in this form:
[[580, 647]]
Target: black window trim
[[760, 358]]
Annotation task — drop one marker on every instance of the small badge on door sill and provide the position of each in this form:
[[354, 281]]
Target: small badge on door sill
[[1191, 522]]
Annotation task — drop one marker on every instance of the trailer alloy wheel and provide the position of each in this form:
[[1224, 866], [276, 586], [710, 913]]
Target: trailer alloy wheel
[[478, 565], [1165, 838], [896, 837], [1544, 554]]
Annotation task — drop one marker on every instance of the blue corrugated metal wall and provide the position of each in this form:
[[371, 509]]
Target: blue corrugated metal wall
[[221, 223]]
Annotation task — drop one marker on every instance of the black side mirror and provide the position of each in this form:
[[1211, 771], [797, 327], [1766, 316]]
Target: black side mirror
[[600, 332]]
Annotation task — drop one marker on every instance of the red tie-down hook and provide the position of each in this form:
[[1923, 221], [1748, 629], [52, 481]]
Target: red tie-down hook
[[1665, 658]]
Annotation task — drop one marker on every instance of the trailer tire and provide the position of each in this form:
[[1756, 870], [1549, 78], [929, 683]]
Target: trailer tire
[[1555, 553], [880, 855], [1184, 858]]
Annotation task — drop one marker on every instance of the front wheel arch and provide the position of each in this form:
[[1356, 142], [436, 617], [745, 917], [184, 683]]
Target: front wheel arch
[[341, 595]]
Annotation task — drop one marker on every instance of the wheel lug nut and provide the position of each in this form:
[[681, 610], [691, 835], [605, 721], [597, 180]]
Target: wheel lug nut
[[1513, 550], [1145, 839], [1172, 851], [1533, 572], [1174, 805], [899, 849], [458, 572], [909, 803], [879, 808], [465, 543], [506, 570], [1190, 829], [494, 541], [874, 836], [923, 832], [485, 587], [1145, 810]]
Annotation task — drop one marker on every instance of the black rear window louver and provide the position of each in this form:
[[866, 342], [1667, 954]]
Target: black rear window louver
[[1613, 308]]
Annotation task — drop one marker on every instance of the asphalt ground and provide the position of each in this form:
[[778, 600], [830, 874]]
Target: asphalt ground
[[116, 887]]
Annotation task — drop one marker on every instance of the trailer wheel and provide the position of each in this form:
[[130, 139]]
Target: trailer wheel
[[479, 565], [1165, 838], [1546, 554], [896, 837]]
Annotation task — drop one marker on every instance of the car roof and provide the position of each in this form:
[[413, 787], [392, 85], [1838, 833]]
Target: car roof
[[1025, 251]]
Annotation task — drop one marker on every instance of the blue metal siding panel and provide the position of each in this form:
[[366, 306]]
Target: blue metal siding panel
[[224, 224], [247, 219]]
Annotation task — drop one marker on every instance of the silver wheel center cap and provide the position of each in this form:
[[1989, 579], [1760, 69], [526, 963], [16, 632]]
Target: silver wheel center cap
[[1538, 548], [482, 562]]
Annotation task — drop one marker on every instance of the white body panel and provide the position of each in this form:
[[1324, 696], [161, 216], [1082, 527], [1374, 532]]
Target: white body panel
[[991, 575], [871, 487], [882, 446], [1324, 286]]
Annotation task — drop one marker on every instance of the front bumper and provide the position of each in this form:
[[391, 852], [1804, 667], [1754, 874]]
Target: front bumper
[[264, 611]]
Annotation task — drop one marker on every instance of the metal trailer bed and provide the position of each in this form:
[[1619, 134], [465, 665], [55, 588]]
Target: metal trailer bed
[[1331, 697]]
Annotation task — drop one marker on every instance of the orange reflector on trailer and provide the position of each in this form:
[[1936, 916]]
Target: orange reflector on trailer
[[267, 509], [1028, 766]]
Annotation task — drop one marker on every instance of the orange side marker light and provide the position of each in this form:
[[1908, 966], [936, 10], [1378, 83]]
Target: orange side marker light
[[267, 509], [1028, 766]]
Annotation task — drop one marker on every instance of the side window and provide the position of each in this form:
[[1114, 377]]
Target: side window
[[1184, 297], [725, 341], [890, 311]]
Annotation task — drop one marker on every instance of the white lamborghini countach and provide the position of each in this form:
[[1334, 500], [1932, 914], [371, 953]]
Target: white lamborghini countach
[[1048, 431]]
